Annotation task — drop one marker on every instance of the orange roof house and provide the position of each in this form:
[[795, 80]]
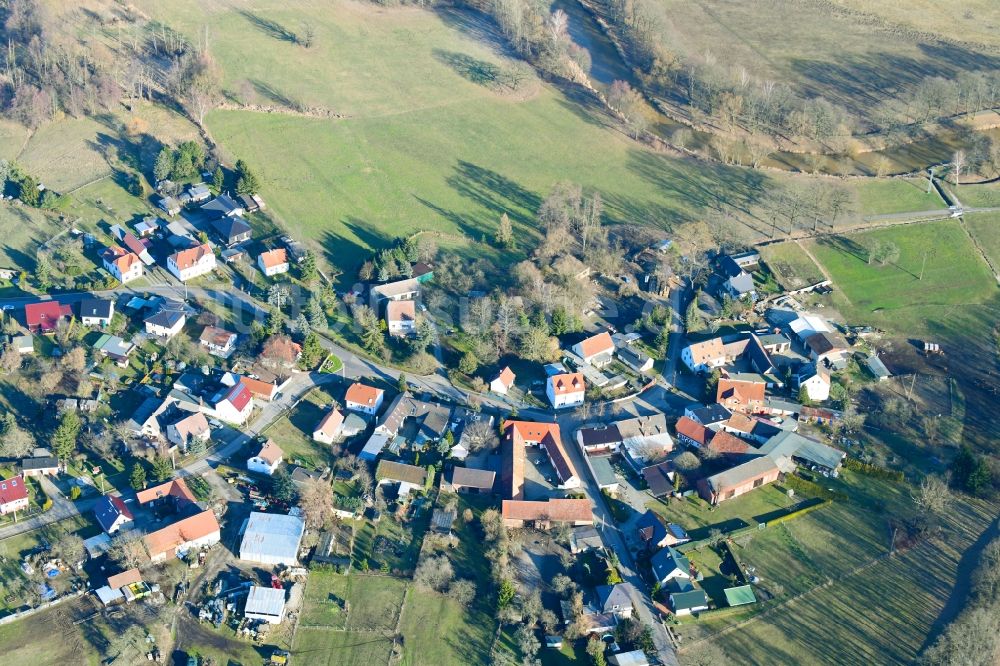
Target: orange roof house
[[361, 397], [741, 396], [175, 488], [517, 436], [597, 349], [502, 382], [201, 529], [517, 513]]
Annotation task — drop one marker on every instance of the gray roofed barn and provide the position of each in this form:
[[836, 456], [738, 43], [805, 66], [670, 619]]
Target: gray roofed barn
[[272, 538], [803, 450], [466, 478]]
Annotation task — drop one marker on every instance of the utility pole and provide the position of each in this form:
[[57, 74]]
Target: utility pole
[[923, 265], [930, 180]]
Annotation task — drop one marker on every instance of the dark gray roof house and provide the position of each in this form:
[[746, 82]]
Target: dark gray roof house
[[614, 598], [97, 308], [232, 229], [710, 415], [651, 529], [475, 480], [222, 206], [670, 563]]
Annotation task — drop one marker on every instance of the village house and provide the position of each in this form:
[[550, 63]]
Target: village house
[[826, 346], [803, 451], [401, 317], [132, 244], [544, 514], [670, 564], [112, 513], [222, 206], [218, 341], [188, 429], [585, 538], [113, 347], [41, 463], [173, 492], [165, 323], [44, 317], [191, 263], [267, 460], [168, 205], [468, 480], [615, 599], [741, 396], [711, 416], [597, 350], [503, 382], [565, 390], [815, 380], [329, 428], [520, 434], [233, 404], [400, 290], [175, 540], [13, 495], [407, 477], [654, 533], [146, 227], [703, 356], [273, 262], [635, 358], [96, 311], [260, 388], [232, 230], [363, 398], [692, 433]]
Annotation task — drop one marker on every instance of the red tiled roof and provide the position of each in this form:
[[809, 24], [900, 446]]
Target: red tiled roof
[[239, 396], [120, 505], [708, 350], [362, 394], [516, 435], [506, 377], [214, 335], [567, 383], [740, 422], [175, 488], [270, 452], [724, 442], [744, 392], [556, 510], [273, 258], [597, 344], [45, 315], [121, 258], [330, 425], [258, 388], [195, 527], [688, 427], [401, 311], [192, 256], [124, 578], [13, 490]]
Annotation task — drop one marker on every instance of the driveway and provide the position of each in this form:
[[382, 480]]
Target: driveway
[[62, 508]]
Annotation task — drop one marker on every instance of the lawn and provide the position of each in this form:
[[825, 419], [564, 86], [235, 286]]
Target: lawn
[[24, 229], [791, 265], [30, 641], [330, 647], [985, 228], [893, 296], [440, 632], [897, 195], [374, 602], [979, 196], [698, 518], [293, 432], [420, 146]]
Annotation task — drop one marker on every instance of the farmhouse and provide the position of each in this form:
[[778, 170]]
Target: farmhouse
[[703, 356], [565, 390], [96, 311], [363, 398], [329, 427], [692, 433], [615, 599], [596, 350], [197, 531], [542, 515], [815, 380], [272, 538], [44, 317], [502, 382], [266, 460], [518, 435], [804, 451], [401, 317], [741, 396], [189, 429], [273, 262]]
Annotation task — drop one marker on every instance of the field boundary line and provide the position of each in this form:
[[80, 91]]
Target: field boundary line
[[979, 248], [821, 267]]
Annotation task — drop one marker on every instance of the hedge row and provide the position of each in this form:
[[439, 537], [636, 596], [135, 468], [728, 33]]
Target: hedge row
[[799, 512], [856, 465], [800, 485]]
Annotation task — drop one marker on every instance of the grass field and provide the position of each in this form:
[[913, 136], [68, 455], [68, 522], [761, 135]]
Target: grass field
[[374, 601], [985, 228], [976, 22], [852, 62], [791, 265], [893, 296], [979, 196], [293, 432], [30, 641], [831, 624], [422, 146], [897, 195], [24, 229], [330, 647]]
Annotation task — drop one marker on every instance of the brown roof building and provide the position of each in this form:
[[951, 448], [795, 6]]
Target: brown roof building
[[519, 513], [741, 396]]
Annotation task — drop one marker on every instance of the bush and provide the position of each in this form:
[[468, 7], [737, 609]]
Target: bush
[[800, 485], [869, 469]]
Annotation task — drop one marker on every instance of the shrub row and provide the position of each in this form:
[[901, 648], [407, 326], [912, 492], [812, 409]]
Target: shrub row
[[861, 467], [800, 485], [799, 512]]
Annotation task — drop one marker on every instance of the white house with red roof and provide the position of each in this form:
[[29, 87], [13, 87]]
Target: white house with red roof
[[401, 317], [566, 390], [363, 398], [122, 264], [13, 495], [273, 262], [330, 427], [267, 459], [597, 350], [191, 263], [501, 383], [234, 404], [112, 513]]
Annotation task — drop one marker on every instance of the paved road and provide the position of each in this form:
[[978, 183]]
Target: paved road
[[615, 541]]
